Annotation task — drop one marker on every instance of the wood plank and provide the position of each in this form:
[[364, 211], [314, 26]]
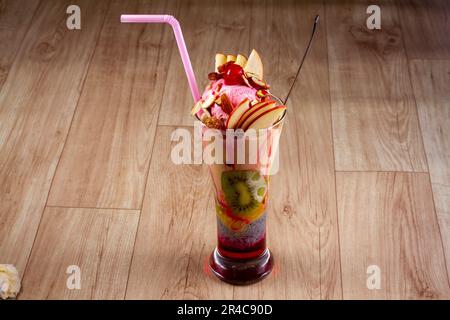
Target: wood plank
[[430, 81], [36, 107], [281, 42], [425, 28], [98, 241], [177, 232], [15, 19], [388, 220], [206, 32], [302, 223], [375, 124], [106, 157]]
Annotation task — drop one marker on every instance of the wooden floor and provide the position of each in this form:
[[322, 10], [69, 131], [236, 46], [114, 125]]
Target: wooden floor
[[86, 177]]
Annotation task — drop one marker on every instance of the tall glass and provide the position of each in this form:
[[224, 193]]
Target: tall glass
[[241, 196]]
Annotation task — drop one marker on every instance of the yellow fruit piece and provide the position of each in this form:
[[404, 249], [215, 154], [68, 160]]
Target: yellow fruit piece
[[196, 108], [236, 224], [254, 65], [231, 57], [241, 60], [256, 213], [220, 60], [229, 222]]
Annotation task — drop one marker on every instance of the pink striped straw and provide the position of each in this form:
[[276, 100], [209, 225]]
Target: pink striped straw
[[165, 18]]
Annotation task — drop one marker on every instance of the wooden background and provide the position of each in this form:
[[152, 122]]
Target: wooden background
[[85, 171]]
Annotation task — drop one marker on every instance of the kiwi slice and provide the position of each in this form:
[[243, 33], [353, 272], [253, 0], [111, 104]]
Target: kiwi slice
[[244, 191]]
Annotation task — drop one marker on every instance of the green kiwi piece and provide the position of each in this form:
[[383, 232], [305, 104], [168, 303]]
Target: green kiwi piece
[[244, 190]]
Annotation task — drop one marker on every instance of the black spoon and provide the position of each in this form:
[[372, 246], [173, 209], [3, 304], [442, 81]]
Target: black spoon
[[316, 20]]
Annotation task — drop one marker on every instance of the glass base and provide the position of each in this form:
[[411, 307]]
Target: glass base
[[241, 272]]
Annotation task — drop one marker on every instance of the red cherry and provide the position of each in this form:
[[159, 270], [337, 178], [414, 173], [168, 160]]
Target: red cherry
[[233, 74]]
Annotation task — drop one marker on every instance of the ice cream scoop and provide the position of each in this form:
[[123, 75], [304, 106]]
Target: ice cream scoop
[[236, 93], [236, 90]]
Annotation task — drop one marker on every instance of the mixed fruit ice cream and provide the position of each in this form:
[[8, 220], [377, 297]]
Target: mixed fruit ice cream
[[237, 97], [241, 213]]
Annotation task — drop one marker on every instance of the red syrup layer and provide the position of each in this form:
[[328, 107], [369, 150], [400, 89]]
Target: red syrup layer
[[231, 250]]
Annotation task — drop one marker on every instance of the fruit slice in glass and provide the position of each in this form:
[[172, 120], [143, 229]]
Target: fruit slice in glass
[[241, 182]]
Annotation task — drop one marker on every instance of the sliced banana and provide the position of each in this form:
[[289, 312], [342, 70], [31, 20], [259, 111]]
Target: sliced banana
[[241, 60], [220, 60], [231, 57]]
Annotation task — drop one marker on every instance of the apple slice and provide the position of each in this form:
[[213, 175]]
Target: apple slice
[[258, 84], [254, 65], [209, 101], [254, 107], [245, 80], [231, 57], [196, 108], [241, 60], [236, 114], [259, 109], [268, 118], [220, 60]]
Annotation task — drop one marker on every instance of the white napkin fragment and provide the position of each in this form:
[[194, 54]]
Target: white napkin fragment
[[9, 281]]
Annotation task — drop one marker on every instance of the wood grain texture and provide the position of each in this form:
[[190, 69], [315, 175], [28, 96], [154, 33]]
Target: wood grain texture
[[302, 225], [388, 220], [208, 27], [425, 28], [430, 81], [99, 242], [36, 107], [375, 122], [269, 35], [106, 157], [177, 232], [15, 19]]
